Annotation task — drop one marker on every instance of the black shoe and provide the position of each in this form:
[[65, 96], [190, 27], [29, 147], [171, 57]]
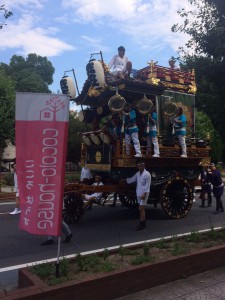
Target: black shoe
[[68, 238], [209, 205], [201, 206], [140, 226], [112, 205], [47, 242], [216, 212]]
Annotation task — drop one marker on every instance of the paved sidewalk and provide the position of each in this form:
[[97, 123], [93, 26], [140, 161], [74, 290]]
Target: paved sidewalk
[[205, 286], [8, 280]]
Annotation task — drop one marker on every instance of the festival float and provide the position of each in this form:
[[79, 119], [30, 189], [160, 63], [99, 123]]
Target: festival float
[[104, 96]]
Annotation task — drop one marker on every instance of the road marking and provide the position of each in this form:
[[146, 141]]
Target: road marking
[[100, 250], [7, 203]]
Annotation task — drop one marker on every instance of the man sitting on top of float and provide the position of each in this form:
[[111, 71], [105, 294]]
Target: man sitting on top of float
[[120, 63]]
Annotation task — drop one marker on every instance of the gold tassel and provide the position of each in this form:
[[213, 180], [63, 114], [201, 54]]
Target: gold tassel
[[147, 129], [122, 129]]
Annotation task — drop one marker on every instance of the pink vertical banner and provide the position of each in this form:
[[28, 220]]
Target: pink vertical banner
[[41, 143]]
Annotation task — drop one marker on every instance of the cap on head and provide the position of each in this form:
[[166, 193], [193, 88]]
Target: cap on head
[[211, 165], [121, 48]]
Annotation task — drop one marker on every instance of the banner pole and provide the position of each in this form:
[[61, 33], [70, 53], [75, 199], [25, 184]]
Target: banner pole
[[57, 262]]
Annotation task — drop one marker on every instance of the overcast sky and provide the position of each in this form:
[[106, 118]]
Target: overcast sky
[[67, 32]]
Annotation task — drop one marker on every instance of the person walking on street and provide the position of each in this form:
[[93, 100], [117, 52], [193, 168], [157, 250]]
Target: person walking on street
[[16, 190], [218, 186], [206, 187], [143, 180], [66, 230]]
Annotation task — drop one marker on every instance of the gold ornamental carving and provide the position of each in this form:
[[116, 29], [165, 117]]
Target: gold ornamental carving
[[93, 92], [152, 77], [174, 85], [192, 88]]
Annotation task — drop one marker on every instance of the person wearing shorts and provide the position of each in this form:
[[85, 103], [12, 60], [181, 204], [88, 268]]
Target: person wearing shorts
[[143, 180]]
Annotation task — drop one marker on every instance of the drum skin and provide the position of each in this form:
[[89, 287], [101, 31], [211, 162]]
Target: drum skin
[[105, 138], [95, 139], [85, 116], [86, 140], [95, 73]]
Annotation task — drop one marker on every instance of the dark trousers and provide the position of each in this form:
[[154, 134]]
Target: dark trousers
[[219, 204], [209, 197]]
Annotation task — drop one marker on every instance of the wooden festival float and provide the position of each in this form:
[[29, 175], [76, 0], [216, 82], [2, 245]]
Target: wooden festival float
[[103, 96]]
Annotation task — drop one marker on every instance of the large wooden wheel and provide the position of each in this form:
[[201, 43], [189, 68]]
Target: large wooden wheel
[[176, 198], [73, 208], [128, 199]]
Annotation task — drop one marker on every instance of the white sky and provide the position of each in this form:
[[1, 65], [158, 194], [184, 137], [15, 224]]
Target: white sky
[[67, 32]]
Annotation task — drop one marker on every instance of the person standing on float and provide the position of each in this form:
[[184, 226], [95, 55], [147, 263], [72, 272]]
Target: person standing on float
[[180, 130], [131, 130], [151, 132]]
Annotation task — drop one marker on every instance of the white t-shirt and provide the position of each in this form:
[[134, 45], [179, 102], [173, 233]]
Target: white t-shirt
[[118, 63], [143, 182], [85, 174], [99, 194]]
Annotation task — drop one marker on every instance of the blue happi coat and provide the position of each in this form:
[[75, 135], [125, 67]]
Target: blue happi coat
[[180, 128], [130, 123], [152, 127]]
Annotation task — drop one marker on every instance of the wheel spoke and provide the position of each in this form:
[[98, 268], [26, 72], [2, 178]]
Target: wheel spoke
[[129, 199], [73, 208], [176, 198]]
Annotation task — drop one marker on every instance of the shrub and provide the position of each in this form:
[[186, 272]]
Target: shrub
[[9, 179]]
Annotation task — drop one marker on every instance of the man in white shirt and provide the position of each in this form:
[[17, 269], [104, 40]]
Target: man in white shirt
[[95, 197], [120, 63], [143, 179], [85, 173]]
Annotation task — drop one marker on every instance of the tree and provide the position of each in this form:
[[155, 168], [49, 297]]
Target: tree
[[206, 26], [205, 128], [31, 74], [6, 14], [7, 110], [74, 139]]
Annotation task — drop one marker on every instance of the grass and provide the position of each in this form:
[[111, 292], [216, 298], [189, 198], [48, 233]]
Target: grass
[[194, 237], [82, 266]]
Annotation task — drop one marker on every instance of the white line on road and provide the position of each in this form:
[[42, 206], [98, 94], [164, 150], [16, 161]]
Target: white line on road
[[99, 250]]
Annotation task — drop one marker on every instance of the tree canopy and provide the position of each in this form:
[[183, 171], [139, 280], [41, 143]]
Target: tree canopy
[[31, 74], [206, 26], [206, 54], [74, 139], [7, 110], [204, 127]]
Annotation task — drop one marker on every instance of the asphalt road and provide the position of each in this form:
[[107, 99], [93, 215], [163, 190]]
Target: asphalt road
[[102, 227]]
